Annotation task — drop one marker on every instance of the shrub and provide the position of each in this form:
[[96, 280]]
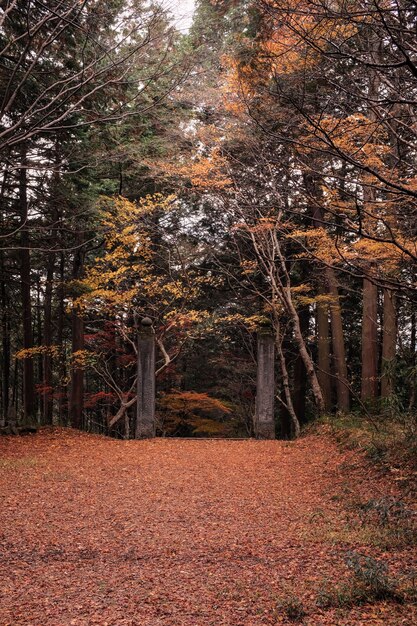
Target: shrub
[[293, 608]]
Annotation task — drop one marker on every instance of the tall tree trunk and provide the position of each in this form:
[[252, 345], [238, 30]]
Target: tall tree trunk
[[329, 285], [323, 346], [25, 282], [145, 406], [5, 319], [308, 362], [389, 344], [311, 182], [5, 340], [289, 406], [47, 340], [413, 348], [62, 364], [338, 343], [76, 400], [283, 293], [369, 381], [38, 340], [300, 374]]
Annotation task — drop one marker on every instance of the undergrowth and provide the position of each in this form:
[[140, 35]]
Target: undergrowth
[[292, 607], [368, 582], [384, 522], [389, 441]]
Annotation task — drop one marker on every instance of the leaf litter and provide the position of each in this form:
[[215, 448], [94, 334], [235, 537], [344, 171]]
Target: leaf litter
[[183, 532]]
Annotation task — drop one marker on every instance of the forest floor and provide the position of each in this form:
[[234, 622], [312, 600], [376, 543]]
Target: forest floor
[[200, 533]]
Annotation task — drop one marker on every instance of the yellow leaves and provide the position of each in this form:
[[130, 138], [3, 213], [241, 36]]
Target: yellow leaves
[[301, 288], [185, 319], [81, 358], [134, 271], [250, 322], [318, 242], [28, 353], [123, 269], [380, 256], [249, 267]]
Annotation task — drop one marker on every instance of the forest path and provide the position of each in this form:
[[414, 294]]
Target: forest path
[[184, 532]]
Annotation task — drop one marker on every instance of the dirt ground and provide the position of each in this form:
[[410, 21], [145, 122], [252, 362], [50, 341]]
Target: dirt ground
[[187, 532]]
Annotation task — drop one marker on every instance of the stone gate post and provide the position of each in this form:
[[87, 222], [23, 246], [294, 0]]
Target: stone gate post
[[265, 386], [145, 411]]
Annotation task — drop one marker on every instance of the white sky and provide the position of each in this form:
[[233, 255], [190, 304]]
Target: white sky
[[182, 11]]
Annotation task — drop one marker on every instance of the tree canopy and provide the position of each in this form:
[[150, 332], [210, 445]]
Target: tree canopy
[[255, 172]]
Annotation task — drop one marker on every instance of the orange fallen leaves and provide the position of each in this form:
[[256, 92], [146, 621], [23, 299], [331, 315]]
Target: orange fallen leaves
[[177, 532]]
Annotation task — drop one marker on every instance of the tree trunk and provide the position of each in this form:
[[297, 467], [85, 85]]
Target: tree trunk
[[323, 345], [5, 340], [62, 364], [311, 182], [294, 421], [47, 340], [25, 282], [413, 347], [338, 343], [389, 344], [5, 319], [76, 399], [308, 362], [300, 375], [369, 382]]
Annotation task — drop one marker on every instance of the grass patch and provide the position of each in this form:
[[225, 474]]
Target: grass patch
[[368, 583], [386, 440], [385, 523]]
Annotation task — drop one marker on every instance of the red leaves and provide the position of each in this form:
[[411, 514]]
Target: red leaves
[[92, 399]]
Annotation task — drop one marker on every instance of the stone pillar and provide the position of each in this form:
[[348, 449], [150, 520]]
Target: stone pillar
[[145, 412], [265, 387]]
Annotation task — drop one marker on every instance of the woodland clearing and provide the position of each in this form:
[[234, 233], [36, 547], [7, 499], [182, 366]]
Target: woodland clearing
[[193, 533]]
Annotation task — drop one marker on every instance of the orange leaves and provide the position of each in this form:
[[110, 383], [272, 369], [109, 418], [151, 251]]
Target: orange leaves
[[205, 172], [357, 135], [28, 353], [189, 409], [190, 401], [210, 172], [183, 532], [380, 258], [317, 242], [239, 86]]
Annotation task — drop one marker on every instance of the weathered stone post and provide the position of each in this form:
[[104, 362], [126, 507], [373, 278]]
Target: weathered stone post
[[265, 386], [145, 412]]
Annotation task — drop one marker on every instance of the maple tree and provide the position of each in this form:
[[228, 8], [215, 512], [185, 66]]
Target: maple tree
[[186, 412]]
